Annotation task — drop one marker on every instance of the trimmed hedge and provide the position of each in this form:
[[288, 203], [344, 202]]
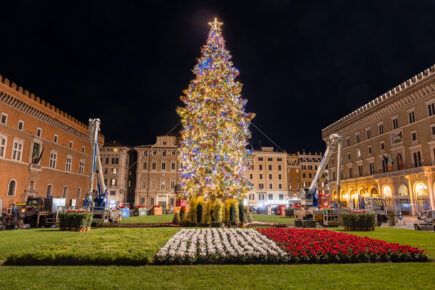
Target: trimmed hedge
[[74, 220], [359, 221]]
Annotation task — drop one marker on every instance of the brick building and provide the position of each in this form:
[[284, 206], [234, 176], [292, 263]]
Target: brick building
[[389, 147], [43, 150]]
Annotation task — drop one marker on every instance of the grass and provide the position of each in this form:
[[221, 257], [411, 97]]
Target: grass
[[99, 246], [273, 219], [331, 276], [151, 219]]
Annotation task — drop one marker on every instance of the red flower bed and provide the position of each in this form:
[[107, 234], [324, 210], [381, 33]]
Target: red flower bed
[[324, 246]]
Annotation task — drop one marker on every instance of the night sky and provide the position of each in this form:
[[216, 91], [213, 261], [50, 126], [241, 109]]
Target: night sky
[[303, 64]]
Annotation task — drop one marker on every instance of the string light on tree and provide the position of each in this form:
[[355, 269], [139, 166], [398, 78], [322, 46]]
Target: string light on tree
[[213, 151]]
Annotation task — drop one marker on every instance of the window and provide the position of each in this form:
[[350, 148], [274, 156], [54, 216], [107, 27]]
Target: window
[[3, 143], [369, 149], [279, 176], [270, 167], [395, 123], [83, 149], [417, 159], [162, 185], [280, 186], [430, 108], [414, 136], [114, 170], [432, 129], [368, 134], [269, 159], [260, 185], [172, 165], [113, 192], [381, 129], [261, 196], [172, 184], [53, 159], [261, 176], [49, 190], [260, 158], [154, 166], [112, 182], [107, 160], [357, 138], [17, 150], [163, 165], [142, 200], [348, 156], [270, 185], [82, 166], [70, 144], [164, 152], [358, 154], [350, 172], [382, 145], [65, 191], [372, 168], [4, 119], [79, 193], [279, 159], [260, 167], [281, 196], [347, 141], [360, 170], [11, 187], [144, 166], [251, 176], [145, 153], [20, 125], [68, 163], [411, 117], [38, 132], [270, 196], [384, 164], [270, 176], [279, 167], [56, 138]]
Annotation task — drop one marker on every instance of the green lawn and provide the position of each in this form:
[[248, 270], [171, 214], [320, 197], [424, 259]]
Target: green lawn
[[273, 219], [100, 245], [137, 241], [151, 219]]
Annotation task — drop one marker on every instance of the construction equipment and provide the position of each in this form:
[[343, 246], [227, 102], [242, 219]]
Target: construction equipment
[[310, 195], [376, 205], [43, 211], [96, 201]]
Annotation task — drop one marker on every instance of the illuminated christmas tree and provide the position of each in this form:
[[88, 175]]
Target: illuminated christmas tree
[[213, 152]]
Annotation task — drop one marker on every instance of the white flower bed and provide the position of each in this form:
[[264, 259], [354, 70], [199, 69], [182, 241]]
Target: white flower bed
[[190, 246]]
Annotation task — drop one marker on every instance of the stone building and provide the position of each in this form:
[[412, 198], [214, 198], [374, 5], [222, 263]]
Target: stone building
[[301, 169], [43, 150], [157, 173], [268, 175], [116, 163], [389, 147]]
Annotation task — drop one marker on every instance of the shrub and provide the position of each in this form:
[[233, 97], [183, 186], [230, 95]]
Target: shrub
[[361, 221], [232, 211], [217, 209], [74, 220], [289, 212], [184, 215], [176, 218]]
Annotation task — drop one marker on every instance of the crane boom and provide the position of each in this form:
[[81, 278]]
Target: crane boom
[[334, 142]]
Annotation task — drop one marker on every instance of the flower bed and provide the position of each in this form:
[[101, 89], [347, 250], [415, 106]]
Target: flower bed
[[324, 246], [217, 245]]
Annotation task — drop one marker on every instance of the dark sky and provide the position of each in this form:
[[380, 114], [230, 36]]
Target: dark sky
[[304, 64]]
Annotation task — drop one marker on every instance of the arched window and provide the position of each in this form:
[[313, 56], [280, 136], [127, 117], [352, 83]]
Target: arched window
[[49, 190], [11, 187], [65, 191], [79, 193]]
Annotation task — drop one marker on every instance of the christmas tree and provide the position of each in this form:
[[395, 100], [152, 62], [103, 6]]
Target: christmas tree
[[213, 152]]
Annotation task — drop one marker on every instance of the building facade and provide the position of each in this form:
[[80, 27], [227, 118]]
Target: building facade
[[268, 175], [115, 160], [157, 173], [389, 148], [43, 150], [294, 175]]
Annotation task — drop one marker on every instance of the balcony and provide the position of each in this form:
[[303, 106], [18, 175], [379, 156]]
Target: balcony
[[35, 167]]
